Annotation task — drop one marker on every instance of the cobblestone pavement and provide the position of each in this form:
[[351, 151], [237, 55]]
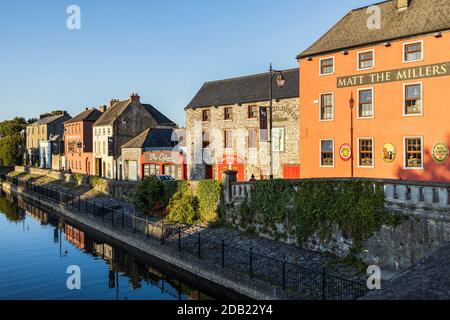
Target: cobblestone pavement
[[429, 279]]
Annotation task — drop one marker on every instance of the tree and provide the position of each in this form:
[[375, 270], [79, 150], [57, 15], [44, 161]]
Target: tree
[[10, 150], [10, 127]]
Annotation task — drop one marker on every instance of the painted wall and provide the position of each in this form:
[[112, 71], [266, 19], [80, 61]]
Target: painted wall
[[388, 125]]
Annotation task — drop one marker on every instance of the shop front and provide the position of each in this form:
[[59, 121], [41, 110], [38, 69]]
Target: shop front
[[163, 162]]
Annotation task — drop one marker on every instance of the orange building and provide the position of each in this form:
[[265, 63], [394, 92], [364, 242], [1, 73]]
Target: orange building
[[78, 141], [374, 94]]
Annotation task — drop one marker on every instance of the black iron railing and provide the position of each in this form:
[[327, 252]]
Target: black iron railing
[[297, 280]]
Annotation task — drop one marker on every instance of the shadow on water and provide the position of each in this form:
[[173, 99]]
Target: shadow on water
[[139, 269]]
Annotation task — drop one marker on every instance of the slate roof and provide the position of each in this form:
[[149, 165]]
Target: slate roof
[[87, 115], [421, 17], [253, 88], [47, 120], [152, 138], [116, 110]]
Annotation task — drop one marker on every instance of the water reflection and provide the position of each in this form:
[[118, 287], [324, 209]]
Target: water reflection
[[140, 274]]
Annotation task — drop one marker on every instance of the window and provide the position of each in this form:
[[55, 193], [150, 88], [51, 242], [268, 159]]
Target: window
[[253, 138], [228, 113], [326, 153], [365, 60], [252, 112], [326, 106], [413, 152], [413, 99], [365, 103], [228, 139], [205, 139], [326, 66], [412, 52], [206, 115], [366, 152], [151, 170]]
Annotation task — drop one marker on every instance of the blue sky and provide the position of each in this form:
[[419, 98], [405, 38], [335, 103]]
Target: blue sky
[[163, 50]]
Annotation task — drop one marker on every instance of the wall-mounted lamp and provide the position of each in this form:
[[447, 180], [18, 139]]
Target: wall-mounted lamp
[[438, 35], [387, 44], [309, 58], [345, 52]]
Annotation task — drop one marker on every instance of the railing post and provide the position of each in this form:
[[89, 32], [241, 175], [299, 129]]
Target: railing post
[[324, 292], [179, 239], [284, 273], [162, 233], [251, 262], [223, 253], [134, 222], [112, 217], [103, 212], [199, 246], [123, 219], [147, 231], [79, 203]]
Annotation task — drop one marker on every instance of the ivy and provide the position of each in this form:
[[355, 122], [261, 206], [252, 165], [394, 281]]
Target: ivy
[[208, 193], [183, 206]]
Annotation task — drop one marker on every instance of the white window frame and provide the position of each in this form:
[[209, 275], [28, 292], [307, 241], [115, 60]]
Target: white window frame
[[320, 153], [404, 100], [357, 60], [358, 116], [404, 153], [320, 106], [320, 66], [404, 51], [373, 153]]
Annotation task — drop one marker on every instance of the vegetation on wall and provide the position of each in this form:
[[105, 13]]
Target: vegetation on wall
[[97, 182], [180, 201], [356, 208]]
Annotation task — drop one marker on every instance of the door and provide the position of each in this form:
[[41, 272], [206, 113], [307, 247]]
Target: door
[[133, 170]]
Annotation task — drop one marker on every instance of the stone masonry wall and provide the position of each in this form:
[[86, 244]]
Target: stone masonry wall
[[285, 115]]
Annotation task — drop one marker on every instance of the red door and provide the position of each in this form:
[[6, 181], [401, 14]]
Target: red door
[[291, 171]]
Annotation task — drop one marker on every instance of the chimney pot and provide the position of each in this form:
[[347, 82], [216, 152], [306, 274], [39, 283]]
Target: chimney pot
[[135, 97], [103, 108]]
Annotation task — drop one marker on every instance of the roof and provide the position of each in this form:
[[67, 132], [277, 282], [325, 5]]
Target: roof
[[253, 88], [47, 120], [421, 17], [109, 116], [87, 115], [152, 138]]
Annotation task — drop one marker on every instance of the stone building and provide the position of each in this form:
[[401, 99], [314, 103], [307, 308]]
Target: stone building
[[78, 141], [226, 128], [153, 152], [120, 123], [41, 133]]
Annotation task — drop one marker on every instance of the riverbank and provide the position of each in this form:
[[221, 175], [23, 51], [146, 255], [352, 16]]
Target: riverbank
[[203, 258]]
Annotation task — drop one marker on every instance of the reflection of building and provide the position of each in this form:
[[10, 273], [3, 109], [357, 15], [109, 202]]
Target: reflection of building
[[123, 121], [78, 141], [398, 76], [74, 236], [227, 123], [153, 152], [47, 129]]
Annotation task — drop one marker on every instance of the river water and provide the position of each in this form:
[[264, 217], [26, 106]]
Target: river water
[[37, 248]]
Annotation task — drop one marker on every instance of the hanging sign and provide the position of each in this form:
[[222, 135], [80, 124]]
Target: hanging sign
[[440, 153], [345, 152], [388, 153], [263, 124]]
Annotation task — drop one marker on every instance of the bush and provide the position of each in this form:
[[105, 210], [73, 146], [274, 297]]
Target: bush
[[149, 195], [183, 206], [208, 193], [96, 182]]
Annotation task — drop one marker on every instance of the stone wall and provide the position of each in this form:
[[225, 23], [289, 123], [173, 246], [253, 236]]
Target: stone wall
[[256, 161], [424, 226]]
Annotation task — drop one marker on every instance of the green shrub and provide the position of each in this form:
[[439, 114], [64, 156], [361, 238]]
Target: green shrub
[[149, 195], [96, 182], [183, 206], [208, 193], [78, 177], [170, 188]]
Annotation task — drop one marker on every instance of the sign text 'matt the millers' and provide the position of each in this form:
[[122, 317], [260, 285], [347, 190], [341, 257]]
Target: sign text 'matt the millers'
[[428, 71]]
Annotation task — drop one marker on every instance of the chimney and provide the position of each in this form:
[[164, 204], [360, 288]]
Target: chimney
[[402, 5], [112, 102], [135, 97], [103, 109]]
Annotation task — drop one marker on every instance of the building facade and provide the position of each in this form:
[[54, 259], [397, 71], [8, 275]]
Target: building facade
[[120, 123], [45, 129], [153, 152], [374, 101], [227, 128], [78, 142]]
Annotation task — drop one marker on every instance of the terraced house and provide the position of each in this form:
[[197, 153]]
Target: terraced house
[[120, 123], [227, 128], [374, 94]]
